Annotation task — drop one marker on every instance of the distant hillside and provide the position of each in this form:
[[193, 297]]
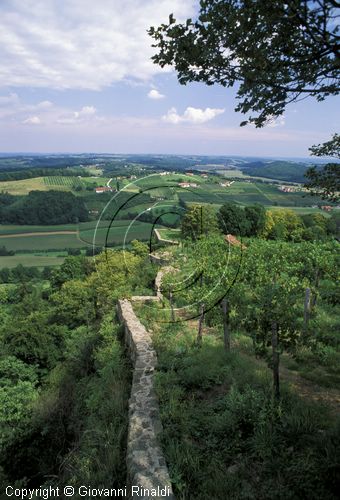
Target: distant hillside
[[281, 170]]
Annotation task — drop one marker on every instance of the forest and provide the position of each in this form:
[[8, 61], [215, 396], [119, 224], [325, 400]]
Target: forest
[[45, 208]]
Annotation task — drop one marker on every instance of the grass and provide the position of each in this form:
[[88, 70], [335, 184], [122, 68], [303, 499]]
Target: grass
[[118, 232], [245, 193], [31, 260], [18, 229], [60, 183], [24, 186], [170, 234], [42, 242], [71, 183], [242, 175], [84, 238]]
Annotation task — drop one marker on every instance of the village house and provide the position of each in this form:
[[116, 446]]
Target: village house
[[226, 184], [188, 184], [103, 189]]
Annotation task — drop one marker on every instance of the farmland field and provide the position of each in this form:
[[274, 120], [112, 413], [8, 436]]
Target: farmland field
[[59, 183], [117, 233], [24, 186], [74, 183], [169, 234], [32, 260], [21, 238], [242, 175], [246, 193], [42, 242]]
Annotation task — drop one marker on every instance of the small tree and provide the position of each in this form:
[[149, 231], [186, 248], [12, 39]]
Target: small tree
[[233, 219], [198, 221], [325, 182]]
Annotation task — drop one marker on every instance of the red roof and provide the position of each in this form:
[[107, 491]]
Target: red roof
[[232, 240], [103, 188]]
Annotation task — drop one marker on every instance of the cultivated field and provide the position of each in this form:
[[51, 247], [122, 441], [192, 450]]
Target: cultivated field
[[24, 186], [246, 193], [59, 183], [32, 260], [44, 238]]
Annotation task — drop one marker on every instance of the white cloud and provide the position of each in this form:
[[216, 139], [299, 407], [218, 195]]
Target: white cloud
[[83, 115], [85, 111], [192, 115], [80, 45], [44, 104], [155, 94], [32, 120]]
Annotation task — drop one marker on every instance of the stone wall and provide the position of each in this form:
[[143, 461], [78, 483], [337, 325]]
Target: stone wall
[[164, 240], [157, 259], [146, 465]]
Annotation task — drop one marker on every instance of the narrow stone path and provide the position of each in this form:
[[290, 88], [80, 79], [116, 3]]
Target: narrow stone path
[[146, 464]]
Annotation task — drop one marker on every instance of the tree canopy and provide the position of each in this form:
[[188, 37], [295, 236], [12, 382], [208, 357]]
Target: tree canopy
[[40, 207], [278, 51], [325, 182], [197, 221]]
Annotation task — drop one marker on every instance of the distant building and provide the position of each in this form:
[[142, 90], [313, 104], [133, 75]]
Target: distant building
[[103, 189], [204, 175], [187, 184], [190, 173], [232, 240], [165, 173], [287, 189], [326, 208]]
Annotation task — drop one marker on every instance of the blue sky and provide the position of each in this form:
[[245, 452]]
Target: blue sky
[[76, 76]]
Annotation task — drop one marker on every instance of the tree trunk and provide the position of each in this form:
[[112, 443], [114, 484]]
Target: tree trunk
[[172, 307], [316, 286], [276, 360], [306, 313], [226, 334], [200, 326]]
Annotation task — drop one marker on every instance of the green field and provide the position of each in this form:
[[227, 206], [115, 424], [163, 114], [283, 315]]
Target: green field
[[242, 175], [24, 186], [31, 260], [170, 234], [246, 193], [17, 229], [59, 183], [119, 232], [74, 183], [82, 237]]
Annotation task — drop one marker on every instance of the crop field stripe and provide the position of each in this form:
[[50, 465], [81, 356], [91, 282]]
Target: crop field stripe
[[45, 233]]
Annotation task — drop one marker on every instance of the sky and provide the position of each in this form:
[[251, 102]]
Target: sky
[[77, 76]]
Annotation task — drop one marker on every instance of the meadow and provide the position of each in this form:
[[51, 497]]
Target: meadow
[[33, 260], [59, 183], [246, 193], [34, 238]]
